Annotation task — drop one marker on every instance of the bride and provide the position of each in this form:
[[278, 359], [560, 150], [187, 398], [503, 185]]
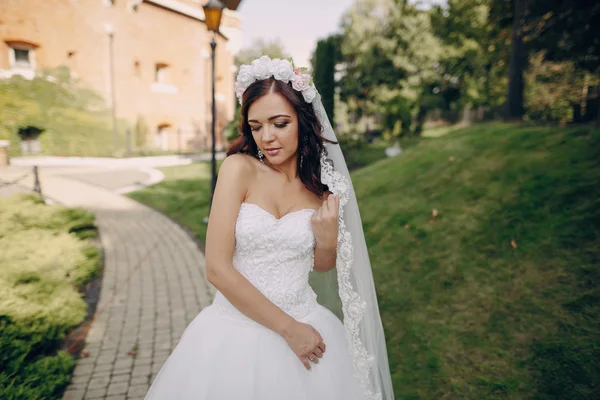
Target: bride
[[284, 214]]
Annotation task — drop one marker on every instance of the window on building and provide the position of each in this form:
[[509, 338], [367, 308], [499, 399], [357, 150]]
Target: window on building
[[160, 73], [22, 58], [163, 79], [21, 54]]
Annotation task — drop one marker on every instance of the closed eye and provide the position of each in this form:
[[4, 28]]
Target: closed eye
[[255, 128], [282, 125]]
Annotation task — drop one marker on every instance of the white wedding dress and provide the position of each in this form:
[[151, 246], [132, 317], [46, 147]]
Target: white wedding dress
[[224, 355]]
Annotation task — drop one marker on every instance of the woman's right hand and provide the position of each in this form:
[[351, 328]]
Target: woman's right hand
[[305, 342]]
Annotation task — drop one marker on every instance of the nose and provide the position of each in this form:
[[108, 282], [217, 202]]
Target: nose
[[267, 134]]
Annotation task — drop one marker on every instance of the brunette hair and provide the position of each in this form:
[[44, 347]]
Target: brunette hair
[[310, 139]]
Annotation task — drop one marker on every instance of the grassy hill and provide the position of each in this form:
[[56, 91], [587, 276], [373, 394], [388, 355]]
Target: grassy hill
[[73, 118], [496, 297], [486, 253]]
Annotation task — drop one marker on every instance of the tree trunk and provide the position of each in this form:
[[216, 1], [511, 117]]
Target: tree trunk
[[598, 106], [518, 58], [420, 120]]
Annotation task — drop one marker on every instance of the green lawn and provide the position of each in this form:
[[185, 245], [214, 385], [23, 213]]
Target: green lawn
[[45, 257], [485, 250], [497, 296]]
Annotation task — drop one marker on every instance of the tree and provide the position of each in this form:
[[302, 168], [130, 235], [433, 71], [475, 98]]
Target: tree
[[471, 66], [518, 62], [567, 31], [388, 50], [563, 30], [260, 47], [324, 61]]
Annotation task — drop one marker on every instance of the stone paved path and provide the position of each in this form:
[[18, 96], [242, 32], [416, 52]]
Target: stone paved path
[[153, 286]]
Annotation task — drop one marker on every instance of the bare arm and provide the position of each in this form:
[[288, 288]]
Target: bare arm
[[220, 244], [324, 258], [234, 175]]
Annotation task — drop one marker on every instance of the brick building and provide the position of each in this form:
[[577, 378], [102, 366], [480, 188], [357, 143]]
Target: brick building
[[159, 50]]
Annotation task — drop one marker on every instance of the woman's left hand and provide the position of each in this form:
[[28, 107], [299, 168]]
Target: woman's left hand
[[325, 222]]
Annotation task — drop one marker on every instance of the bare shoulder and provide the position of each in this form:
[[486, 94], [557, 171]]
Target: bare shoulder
[[236, 162], [237, 166]]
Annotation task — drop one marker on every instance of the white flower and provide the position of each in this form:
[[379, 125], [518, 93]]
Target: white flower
[[245, 77], [300, 82], [309, 94], [239, 91], [282, 70], [262, 68]]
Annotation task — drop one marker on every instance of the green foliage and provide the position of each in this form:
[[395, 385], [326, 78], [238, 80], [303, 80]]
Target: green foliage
[[565, 30], [389, 52], [472, 68], [325, 59], [554, 88], [396, 117], [73, 119], [456, 56], [141, 132], [44, 258], [260, 47]]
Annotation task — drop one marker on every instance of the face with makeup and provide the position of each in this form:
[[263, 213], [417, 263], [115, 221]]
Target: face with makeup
[[274, 125]]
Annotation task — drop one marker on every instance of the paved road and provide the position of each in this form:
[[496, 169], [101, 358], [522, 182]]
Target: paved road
[[112, 179], [153, 286]]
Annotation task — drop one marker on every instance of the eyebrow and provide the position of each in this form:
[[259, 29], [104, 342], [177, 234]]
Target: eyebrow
[[272, 118]]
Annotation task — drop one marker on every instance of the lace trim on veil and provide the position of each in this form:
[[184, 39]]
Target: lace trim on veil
[[353, 305]]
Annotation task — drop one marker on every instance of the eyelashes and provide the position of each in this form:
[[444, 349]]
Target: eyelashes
[[280, 126]]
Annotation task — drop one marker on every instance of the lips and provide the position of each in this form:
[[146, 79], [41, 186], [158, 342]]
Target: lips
[[273, 150]]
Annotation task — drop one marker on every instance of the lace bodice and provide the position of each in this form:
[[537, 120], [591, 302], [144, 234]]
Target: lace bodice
[[276, 255]]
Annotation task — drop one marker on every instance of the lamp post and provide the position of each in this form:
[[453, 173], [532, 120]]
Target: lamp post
[[212, 14], [110, 31]]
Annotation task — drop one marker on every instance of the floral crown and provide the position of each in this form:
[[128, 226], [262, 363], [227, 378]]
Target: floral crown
[[282, 70]]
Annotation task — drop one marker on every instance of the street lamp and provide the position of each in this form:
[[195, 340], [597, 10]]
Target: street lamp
[[212, 14], [110, 31]]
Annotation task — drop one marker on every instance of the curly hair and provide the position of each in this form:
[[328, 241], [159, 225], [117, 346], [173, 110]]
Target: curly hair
[[310, 139]]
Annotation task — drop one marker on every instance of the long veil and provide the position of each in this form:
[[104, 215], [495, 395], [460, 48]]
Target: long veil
[[348, 290]]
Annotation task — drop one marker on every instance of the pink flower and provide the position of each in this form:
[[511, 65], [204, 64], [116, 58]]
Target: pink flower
[[297, 71], [300, 82]]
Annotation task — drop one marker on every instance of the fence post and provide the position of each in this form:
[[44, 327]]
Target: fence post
[[128, 141], [36, 181]]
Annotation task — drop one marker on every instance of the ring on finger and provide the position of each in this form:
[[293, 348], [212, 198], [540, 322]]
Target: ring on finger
[[311, 357]]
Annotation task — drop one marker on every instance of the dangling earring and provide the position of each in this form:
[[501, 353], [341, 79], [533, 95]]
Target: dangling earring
[[261, 156], [301, 160]]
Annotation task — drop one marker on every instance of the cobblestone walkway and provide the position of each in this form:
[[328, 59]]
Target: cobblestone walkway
[[153, 286]]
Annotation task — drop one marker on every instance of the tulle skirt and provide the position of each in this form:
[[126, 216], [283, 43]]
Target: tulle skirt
[[223, 355]]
